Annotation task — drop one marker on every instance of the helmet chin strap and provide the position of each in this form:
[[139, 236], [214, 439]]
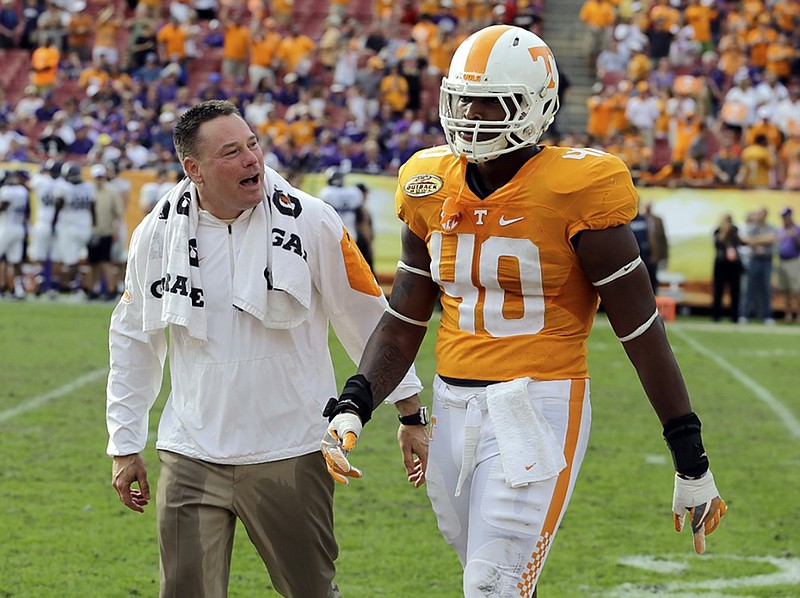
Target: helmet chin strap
[[476, 151]]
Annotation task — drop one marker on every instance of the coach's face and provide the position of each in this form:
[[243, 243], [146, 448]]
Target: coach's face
[[229, 170]]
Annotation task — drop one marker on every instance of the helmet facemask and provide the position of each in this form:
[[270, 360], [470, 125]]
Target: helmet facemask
[[510, 65]]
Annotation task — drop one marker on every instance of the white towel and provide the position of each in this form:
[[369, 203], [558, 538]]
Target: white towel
[[529, 449], [169, 249], [275, 287], [271, 282]]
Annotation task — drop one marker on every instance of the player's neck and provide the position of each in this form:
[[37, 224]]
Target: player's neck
[[487, 177]]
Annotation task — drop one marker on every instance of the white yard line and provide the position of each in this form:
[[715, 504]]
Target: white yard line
[[56, 393], [786, 573], [784, 413]]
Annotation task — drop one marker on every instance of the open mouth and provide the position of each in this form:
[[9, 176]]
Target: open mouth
[[251, 182]]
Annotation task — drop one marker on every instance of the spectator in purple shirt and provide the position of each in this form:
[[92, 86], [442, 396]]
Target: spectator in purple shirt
[[789, 264]]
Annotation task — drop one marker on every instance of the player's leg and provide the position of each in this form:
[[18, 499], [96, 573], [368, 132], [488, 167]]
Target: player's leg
[[195, 527], [511, 530], [287, 509], [444, 465]]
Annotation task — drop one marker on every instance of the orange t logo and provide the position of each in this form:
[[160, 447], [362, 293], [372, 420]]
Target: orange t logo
[[545, 53]]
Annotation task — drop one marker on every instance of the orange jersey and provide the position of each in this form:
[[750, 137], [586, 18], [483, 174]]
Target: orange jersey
[[515, 301]]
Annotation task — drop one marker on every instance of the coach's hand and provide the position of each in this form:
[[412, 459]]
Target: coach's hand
[[414, 443], [346, 426], [125, 471], [699, 499]]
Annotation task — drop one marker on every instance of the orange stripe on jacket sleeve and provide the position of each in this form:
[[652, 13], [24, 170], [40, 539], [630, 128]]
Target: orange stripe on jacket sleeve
[[359, 275], [478, 56]]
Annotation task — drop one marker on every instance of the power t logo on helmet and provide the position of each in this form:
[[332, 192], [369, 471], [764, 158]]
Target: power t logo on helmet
[[514, 67]]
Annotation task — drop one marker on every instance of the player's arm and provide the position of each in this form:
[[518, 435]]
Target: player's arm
[[388, 355], [610, 260], [393, 345]]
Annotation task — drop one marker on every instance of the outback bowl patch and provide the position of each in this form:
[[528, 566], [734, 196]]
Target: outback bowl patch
[[421, 185]]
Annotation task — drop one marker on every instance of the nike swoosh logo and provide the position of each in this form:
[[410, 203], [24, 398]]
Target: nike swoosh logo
[[529, 467], [504, 222]]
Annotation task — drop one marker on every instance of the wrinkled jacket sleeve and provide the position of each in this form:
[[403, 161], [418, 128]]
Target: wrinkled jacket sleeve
[[136, 365], [351, 297]]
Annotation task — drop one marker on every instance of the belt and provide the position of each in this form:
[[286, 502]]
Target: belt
[[468, 383]]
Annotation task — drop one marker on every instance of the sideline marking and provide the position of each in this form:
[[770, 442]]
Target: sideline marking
[[784, 414], [56, 393], [787, 573]]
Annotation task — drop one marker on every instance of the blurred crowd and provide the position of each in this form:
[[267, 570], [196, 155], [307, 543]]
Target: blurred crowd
[[352, 85], [698, 93]]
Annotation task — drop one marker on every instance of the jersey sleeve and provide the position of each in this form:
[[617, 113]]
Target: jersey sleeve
[[607, 197], [421, 189]]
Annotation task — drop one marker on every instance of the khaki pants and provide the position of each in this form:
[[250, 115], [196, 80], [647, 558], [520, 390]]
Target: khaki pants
[[285, 506]]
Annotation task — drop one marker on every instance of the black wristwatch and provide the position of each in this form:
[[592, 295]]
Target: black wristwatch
[[420, 418]]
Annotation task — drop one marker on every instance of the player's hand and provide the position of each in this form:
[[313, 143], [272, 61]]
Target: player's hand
[[699, 499], [126, 471], [414, 442], [340, 438]]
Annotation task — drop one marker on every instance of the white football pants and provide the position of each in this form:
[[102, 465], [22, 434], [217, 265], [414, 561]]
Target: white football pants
[[502, 535]]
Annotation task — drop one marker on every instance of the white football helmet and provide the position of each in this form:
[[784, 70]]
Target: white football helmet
[[512, 64]]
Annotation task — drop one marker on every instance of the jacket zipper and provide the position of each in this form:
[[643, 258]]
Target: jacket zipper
[[230, 254]]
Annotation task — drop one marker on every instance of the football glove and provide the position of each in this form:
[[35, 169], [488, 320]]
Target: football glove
[[347, 416], [345, 426], [699, 498]]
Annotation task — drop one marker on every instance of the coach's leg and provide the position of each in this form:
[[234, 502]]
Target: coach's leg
[[195, 527], [287, 509]]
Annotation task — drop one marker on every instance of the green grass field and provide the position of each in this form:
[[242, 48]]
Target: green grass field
[[65, 534]]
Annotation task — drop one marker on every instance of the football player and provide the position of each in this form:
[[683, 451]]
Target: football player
[[521, 240]]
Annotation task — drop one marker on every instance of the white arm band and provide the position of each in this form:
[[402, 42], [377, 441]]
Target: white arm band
[[406, 319], [403, 266], [640, 330], [626, 269]]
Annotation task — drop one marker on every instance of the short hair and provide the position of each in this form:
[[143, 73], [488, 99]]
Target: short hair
[[186, 135]]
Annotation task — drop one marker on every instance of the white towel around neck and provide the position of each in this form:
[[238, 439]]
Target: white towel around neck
[[271, 282]]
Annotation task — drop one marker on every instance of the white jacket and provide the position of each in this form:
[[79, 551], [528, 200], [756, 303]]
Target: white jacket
[[250, 394]]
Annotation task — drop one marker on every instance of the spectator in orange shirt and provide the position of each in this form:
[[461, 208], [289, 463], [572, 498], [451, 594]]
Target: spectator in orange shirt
[[295, 51], [759, 39], [599, 17], [303, 131], [758, 162], [764, 125], [105, 35], [599, 106], [44, 66], [393, 90], [780, 55], [281, 11], [235, 44], [787, 15], [687, 126], [171, 40], [699, 16], [789, 172], [263, 48], [699, 170], [95, 73], [79, 34]]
